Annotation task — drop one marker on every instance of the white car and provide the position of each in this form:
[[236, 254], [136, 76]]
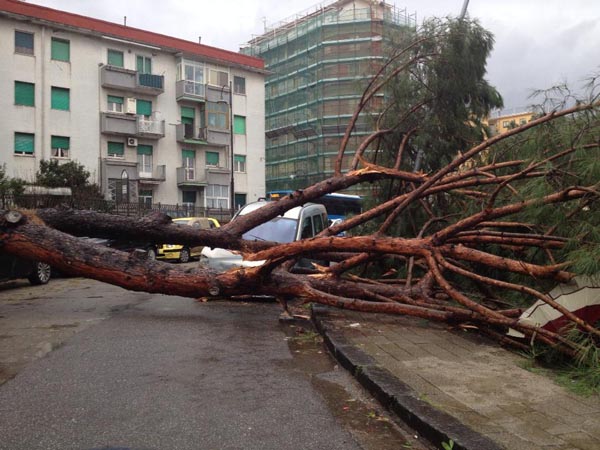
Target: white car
[[298, 223]]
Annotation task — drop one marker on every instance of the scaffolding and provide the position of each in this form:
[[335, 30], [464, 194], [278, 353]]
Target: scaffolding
[[320, 63]]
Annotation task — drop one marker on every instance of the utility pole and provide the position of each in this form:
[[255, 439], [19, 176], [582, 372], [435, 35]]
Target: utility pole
[[463, 11]]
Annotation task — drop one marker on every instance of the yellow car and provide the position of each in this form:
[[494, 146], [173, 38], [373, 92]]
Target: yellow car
[[181, 253]]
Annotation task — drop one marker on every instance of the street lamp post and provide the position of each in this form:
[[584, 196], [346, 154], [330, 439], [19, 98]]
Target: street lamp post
[[231, 187]]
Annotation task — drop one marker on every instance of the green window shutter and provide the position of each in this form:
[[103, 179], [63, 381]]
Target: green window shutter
[[144, 149], [114, 99], [24, 143], [212, 159], [239, 158], [115, 58], [239, 124], [60, 50], [116, 148], [24, 93], [60, 99], [143, 107], [188, 154], [187, 112], [59, 142]]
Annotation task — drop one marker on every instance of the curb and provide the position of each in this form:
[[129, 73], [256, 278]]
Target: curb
[[396, 396]]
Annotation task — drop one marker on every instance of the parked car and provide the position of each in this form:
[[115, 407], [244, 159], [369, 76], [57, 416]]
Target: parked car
[[125, 246], [13, 267], [301, 222], [182, 253]]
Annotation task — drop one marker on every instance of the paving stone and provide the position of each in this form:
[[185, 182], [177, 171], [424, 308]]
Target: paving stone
[[477, 383], [581, 441]]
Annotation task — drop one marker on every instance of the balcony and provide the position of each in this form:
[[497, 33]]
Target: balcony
[[131, 125], [188, 134], [114, 77], [191, 177], [156, 174], [150, 128], [190, 90]]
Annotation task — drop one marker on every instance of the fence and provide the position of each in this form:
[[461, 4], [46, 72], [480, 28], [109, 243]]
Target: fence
[[111, 207]]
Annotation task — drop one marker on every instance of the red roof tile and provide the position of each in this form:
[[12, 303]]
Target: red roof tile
[[124, 32]]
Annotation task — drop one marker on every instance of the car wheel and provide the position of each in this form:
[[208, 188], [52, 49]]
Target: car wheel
[[41, 273], [151, 254], [184, 255]]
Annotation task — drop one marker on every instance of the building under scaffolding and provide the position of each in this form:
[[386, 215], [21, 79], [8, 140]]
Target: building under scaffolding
[[320, 63]]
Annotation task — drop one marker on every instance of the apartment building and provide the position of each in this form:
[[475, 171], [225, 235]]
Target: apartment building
[[504, 120], [320, 62], [154, 118]]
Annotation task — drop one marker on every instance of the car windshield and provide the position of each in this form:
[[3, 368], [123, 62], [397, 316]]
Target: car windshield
[[279, 229]]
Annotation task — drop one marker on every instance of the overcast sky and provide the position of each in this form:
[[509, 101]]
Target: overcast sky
[[538, 42]]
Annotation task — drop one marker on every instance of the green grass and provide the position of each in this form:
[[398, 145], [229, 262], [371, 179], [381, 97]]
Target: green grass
[[581, 375]]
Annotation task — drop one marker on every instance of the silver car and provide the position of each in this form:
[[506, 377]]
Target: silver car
[[301, 222]]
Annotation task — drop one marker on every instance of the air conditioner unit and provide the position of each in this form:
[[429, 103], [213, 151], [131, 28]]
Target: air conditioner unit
[[131, 142], [130, 105]]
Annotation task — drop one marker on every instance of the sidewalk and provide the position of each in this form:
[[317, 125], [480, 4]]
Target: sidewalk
[[449, 385]]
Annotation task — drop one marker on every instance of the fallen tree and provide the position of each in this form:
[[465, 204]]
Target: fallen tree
[[504, 215]]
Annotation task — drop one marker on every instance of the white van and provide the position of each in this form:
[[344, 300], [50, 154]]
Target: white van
[[301, 222]]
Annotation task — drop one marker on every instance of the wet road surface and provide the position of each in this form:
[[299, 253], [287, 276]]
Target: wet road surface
[[137, 371]]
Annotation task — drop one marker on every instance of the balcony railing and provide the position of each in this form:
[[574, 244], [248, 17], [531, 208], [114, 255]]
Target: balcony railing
[[190, 90], [150, 127], [151, 81], [190, 134], [130, 80], [131, 125], [189, 176], [155, 174]]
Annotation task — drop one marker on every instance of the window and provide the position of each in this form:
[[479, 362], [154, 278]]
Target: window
[[239, 85], [144, 155], [60, 98], [522, 121], [212, 158], [239, 124], [116, 149], [115, 104], [143, 108], [24, 143], [217, 196], [115, 58], [193, 74], [188, 115], [60, 146], [188, 198], [218, 78], [239, 163], [23, 42], [145, 197], [218, 115], [60, 50], [240, 200], [143, 64], [188, 158], [24, 93]]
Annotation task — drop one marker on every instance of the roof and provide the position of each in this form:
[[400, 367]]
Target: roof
[[42, 14]]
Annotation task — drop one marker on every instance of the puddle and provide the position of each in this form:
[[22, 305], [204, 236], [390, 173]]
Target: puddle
[[361, 415]]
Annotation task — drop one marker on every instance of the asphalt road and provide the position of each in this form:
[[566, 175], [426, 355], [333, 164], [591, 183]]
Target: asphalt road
[[97, 367]]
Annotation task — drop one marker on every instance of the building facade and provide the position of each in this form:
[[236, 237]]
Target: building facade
[[502, 121], [320, 63], [155, 119]]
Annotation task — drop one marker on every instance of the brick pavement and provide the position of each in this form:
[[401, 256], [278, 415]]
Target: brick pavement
[[468, 388]]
